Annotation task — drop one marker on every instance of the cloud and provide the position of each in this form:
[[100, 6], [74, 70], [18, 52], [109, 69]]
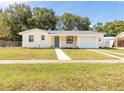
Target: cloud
[[4, 4]]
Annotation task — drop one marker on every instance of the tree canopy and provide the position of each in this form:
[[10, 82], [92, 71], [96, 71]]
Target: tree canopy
[[43, 18], [110, 28], [20, 17], [75, 22]]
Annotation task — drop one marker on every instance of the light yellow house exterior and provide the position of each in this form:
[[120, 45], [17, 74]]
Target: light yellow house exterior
[[63, 43], [37, 38]]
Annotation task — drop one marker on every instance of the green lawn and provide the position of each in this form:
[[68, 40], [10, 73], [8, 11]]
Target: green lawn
[[23, 53], [82, 54], [61, 76]]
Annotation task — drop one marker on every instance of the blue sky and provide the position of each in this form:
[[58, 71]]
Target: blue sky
[[97, 11]]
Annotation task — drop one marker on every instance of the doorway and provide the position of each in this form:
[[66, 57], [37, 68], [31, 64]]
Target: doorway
[[57, 41]]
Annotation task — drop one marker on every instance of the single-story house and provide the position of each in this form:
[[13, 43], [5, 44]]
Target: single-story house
[[109, 41], [37, 38], [119, 42]]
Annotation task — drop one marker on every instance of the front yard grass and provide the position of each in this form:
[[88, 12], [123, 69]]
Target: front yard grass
[[62, 77], [23, 53], [82, 54]]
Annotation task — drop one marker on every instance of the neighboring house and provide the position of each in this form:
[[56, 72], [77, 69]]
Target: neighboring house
[[119, 42], [37, 38], [109, 41]]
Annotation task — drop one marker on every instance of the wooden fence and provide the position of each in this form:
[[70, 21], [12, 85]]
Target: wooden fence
[[10, 43]]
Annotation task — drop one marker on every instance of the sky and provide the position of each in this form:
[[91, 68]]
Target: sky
[[97, 11]]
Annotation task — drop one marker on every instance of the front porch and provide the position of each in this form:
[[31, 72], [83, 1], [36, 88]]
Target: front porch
[[65, 41]]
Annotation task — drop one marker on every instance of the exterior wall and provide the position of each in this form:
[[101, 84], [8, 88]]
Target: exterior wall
[[63, 43], [101, 41], [50, 40], [53, 41], [38, 43], [77, 41]]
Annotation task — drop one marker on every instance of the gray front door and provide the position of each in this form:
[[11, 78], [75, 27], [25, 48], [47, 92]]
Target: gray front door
[[56, 41]]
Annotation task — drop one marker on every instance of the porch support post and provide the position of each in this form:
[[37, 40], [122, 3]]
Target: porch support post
[[116, 44], [61, 41]]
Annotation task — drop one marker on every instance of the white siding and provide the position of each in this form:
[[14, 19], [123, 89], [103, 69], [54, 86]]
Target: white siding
[[84, 39], [38, 43], [101, 43]]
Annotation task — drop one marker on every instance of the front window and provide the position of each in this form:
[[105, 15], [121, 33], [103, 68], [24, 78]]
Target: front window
[[69, 39], [99, 39], [31, 38], [42, 37]]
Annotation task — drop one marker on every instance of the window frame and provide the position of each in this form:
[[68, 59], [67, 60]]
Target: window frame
[[31, 38], [99, 39], [42, 37], [68, 40]]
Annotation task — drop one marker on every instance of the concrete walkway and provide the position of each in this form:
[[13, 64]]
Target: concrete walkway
[[99, 51], [61, 55], [57, 61]]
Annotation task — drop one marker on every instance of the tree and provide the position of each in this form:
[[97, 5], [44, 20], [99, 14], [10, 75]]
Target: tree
[[85, 23], [70, 21], [17, 18], [4, 28], [43, 18], [59, 24], [75, 22], [110, 28], [98, 27]]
